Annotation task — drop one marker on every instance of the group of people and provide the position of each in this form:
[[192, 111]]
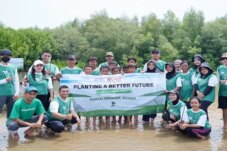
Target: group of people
[[189, 92]]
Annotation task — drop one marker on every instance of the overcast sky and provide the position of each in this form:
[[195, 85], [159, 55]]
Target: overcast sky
[[52, 13]]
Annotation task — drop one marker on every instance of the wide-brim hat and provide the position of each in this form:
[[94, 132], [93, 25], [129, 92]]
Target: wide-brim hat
[[205, 65]]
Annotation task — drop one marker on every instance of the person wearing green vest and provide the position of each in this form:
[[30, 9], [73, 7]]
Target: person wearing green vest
[[173, 81], [155, 55], [205, 86], [9, 81], [186, 90], [222, 94], [197, 60], [22, 114], [93, 61], [41, 81], [71, 68], [61, 111], [176, 110], [197, 125], [151, 68]]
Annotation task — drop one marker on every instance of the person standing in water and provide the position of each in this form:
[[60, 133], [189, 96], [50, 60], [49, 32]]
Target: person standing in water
[[9, 81], [222, 95]]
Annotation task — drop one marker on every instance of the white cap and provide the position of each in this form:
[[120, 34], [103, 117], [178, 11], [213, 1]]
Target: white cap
[[37, 62]]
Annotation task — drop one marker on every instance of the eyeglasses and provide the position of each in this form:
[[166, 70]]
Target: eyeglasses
[[224, 58]]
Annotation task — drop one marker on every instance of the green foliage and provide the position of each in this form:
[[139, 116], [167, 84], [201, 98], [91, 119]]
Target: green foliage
[[125, 37]]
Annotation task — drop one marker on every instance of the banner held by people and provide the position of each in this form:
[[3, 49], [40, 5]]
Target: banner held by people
[[111, 95]]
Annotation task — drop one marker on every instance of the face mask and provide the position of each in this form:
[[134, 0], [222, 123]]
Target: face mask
[[5, 59]]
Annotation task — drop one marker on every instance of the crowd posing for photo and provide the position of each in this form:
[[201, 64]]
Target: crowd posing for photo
[[189, 93]]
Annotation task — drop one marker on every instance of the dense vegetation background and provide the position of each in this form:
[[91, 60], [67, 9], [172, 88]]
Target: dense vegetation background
[[124, 37]]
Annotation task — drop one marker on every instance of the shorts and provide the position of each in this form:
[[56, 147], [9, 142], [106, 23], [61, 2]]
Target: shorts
[[222, 102]]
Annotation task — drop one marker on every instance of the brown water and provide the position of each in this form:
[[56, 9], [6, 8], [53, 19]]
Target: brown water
[[117, 137], [120, 137]]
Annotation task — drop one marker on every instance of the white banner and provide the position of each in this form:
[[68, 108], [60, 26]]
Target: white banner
[[110, 95]]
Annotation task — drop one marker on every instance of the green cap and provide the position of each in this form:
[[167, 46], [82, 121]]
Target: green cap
[[30, 89]]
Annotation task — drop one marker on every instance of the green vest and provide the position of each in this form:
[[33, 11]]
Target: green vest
[[51, 67], [175, 109], [171, 83], [202, 85], [64, 107], [161, 65], [222, 73], [8, 88], [68, 70], [194, 72], [24, 111], [187, 88], [194, 117], [41, 83]]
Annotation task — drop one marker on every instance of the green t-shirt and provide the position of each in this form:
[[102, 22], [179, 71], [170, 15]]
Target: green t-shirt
[[203, 84], [67, 70], [186, 90], [64, 107], [194, 117], [40, 83], [8, 88], [175, 109], [52, 68], [24, 111], [222, 75]]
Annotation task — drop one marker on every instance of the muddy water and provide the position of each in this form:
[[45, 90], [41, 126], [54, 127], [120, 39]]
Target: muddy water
[[119, 137]]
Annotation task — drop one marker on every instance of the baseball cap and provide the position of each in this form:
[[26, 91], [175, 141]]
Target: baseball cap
[[37, 62], [71, 57], [6, 52], [30, 89], [109, 54]]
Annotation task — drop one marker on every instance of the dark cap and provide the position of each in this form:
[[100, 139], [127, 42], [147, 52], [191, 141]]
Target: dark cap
[[71, 57], [155, 51], [6, 52], [30, 89], [198, 56]]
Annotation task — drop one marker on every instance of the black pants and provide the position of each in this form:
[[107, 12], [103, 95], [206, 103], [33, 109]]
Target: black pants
[[204, 105], [57, 126], [147, 117], [45, 101]]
